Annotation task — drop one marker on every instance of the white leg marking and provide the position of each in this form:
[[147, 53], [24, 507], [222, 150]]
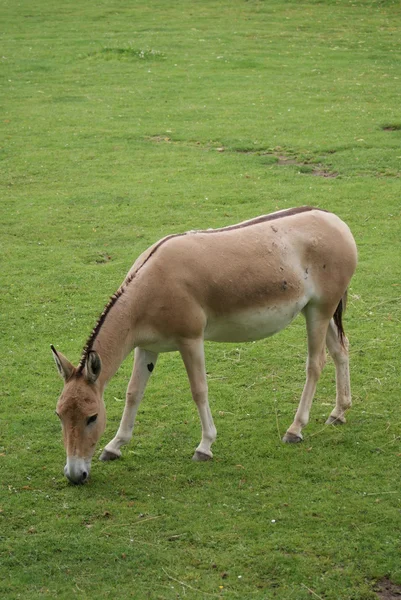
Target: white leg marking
[[144, 363], [193, 355], [339, 354]]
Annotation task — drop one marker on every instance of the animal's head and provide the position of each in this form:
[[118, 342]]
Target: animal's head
[[81, 411]]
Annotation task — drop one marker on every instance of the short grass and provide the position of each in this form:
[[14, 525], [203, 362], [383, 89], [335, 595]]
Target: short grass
[[125, 121]]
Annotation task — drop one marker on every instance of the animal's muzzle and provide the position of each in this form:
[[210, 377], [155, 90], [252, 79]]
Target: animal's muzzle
[[77, 470]]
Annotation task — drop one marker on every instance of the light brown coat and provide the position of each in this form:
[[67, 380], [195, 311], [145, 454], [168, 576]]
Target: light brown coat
[[234, 284]]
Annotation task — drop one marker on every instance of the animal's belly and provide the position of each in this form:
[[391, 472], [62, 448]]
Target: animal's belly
[[252, 324]]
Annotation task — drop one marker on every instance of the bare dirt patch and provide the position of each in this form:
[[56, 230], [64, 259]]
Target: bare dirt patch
[[285, 160], [391, 127], [159, 138], [306, 168], [387, 590], [324, 173], [274, 158]]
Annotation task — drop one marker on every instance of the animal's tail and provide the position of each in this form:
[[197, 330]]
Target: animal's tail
[[338, 317]]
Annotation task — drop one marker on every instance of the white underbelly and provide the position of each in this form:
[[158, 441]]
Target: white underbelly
[[252, 324]]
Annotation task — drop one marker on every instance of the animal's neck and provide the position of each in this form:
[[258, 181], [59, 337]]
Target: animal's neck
[[115, 340]]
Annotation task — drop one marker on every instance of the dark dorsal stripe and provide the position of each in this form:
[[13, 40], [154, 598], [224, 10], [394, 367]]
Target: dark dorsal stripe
[[263, 219], [272, 217]]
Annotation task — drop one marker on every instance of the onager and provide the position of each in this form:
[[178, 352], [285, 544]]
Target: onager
[[234, 284]]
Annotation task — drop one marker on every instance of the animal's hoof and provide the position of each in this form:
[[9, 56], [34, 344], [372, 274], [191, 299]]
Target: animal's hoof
[[201, 456], [291, 438], [335, 420], [107, 455]]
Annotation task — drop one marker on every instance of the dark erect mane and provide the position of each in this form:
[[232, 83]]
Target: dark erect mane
[[96, 329], [111, 303], [271, 217]]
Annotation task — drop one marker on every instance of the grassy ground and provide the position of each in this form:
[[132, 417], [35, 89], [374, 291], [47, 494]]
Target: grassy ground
[[125, 121]]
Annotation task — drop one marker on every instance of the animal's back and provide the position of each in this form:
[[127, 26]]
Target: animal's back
[[255, 262]]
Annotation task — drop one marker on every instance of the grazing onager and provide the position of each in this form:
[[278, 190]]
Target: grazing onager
[[234, 284]]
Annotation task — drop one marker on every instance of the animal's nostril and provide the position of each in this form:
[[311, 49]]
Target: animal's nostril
[[84, 476]]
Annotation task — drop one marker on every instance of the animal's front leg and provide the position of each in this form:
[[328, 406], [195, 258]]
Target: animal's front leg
[[144, 364], [192, 352]]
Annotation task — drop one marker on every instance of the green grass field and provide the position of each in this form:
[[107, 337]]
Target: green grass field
[[123, 121]]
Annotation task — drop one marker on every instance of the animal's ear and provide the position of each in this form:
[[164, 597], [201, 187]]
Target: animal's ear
[[65, 368], [93, 366]]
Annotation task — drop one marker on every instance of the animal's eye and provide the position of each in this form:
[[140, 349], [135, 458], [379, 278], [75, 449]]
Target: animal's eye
[[91, 419], [56, 413]]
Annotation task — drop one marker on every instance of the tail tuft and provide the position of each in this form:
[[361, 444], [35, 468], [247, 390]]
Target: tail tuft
[[338, 317]]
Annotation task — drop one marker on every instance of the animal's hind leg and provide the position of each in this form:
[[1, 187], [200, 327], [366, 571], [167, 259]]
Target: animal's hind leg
[[192, 352], [339, 353], [144, 364], [316, 324]]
